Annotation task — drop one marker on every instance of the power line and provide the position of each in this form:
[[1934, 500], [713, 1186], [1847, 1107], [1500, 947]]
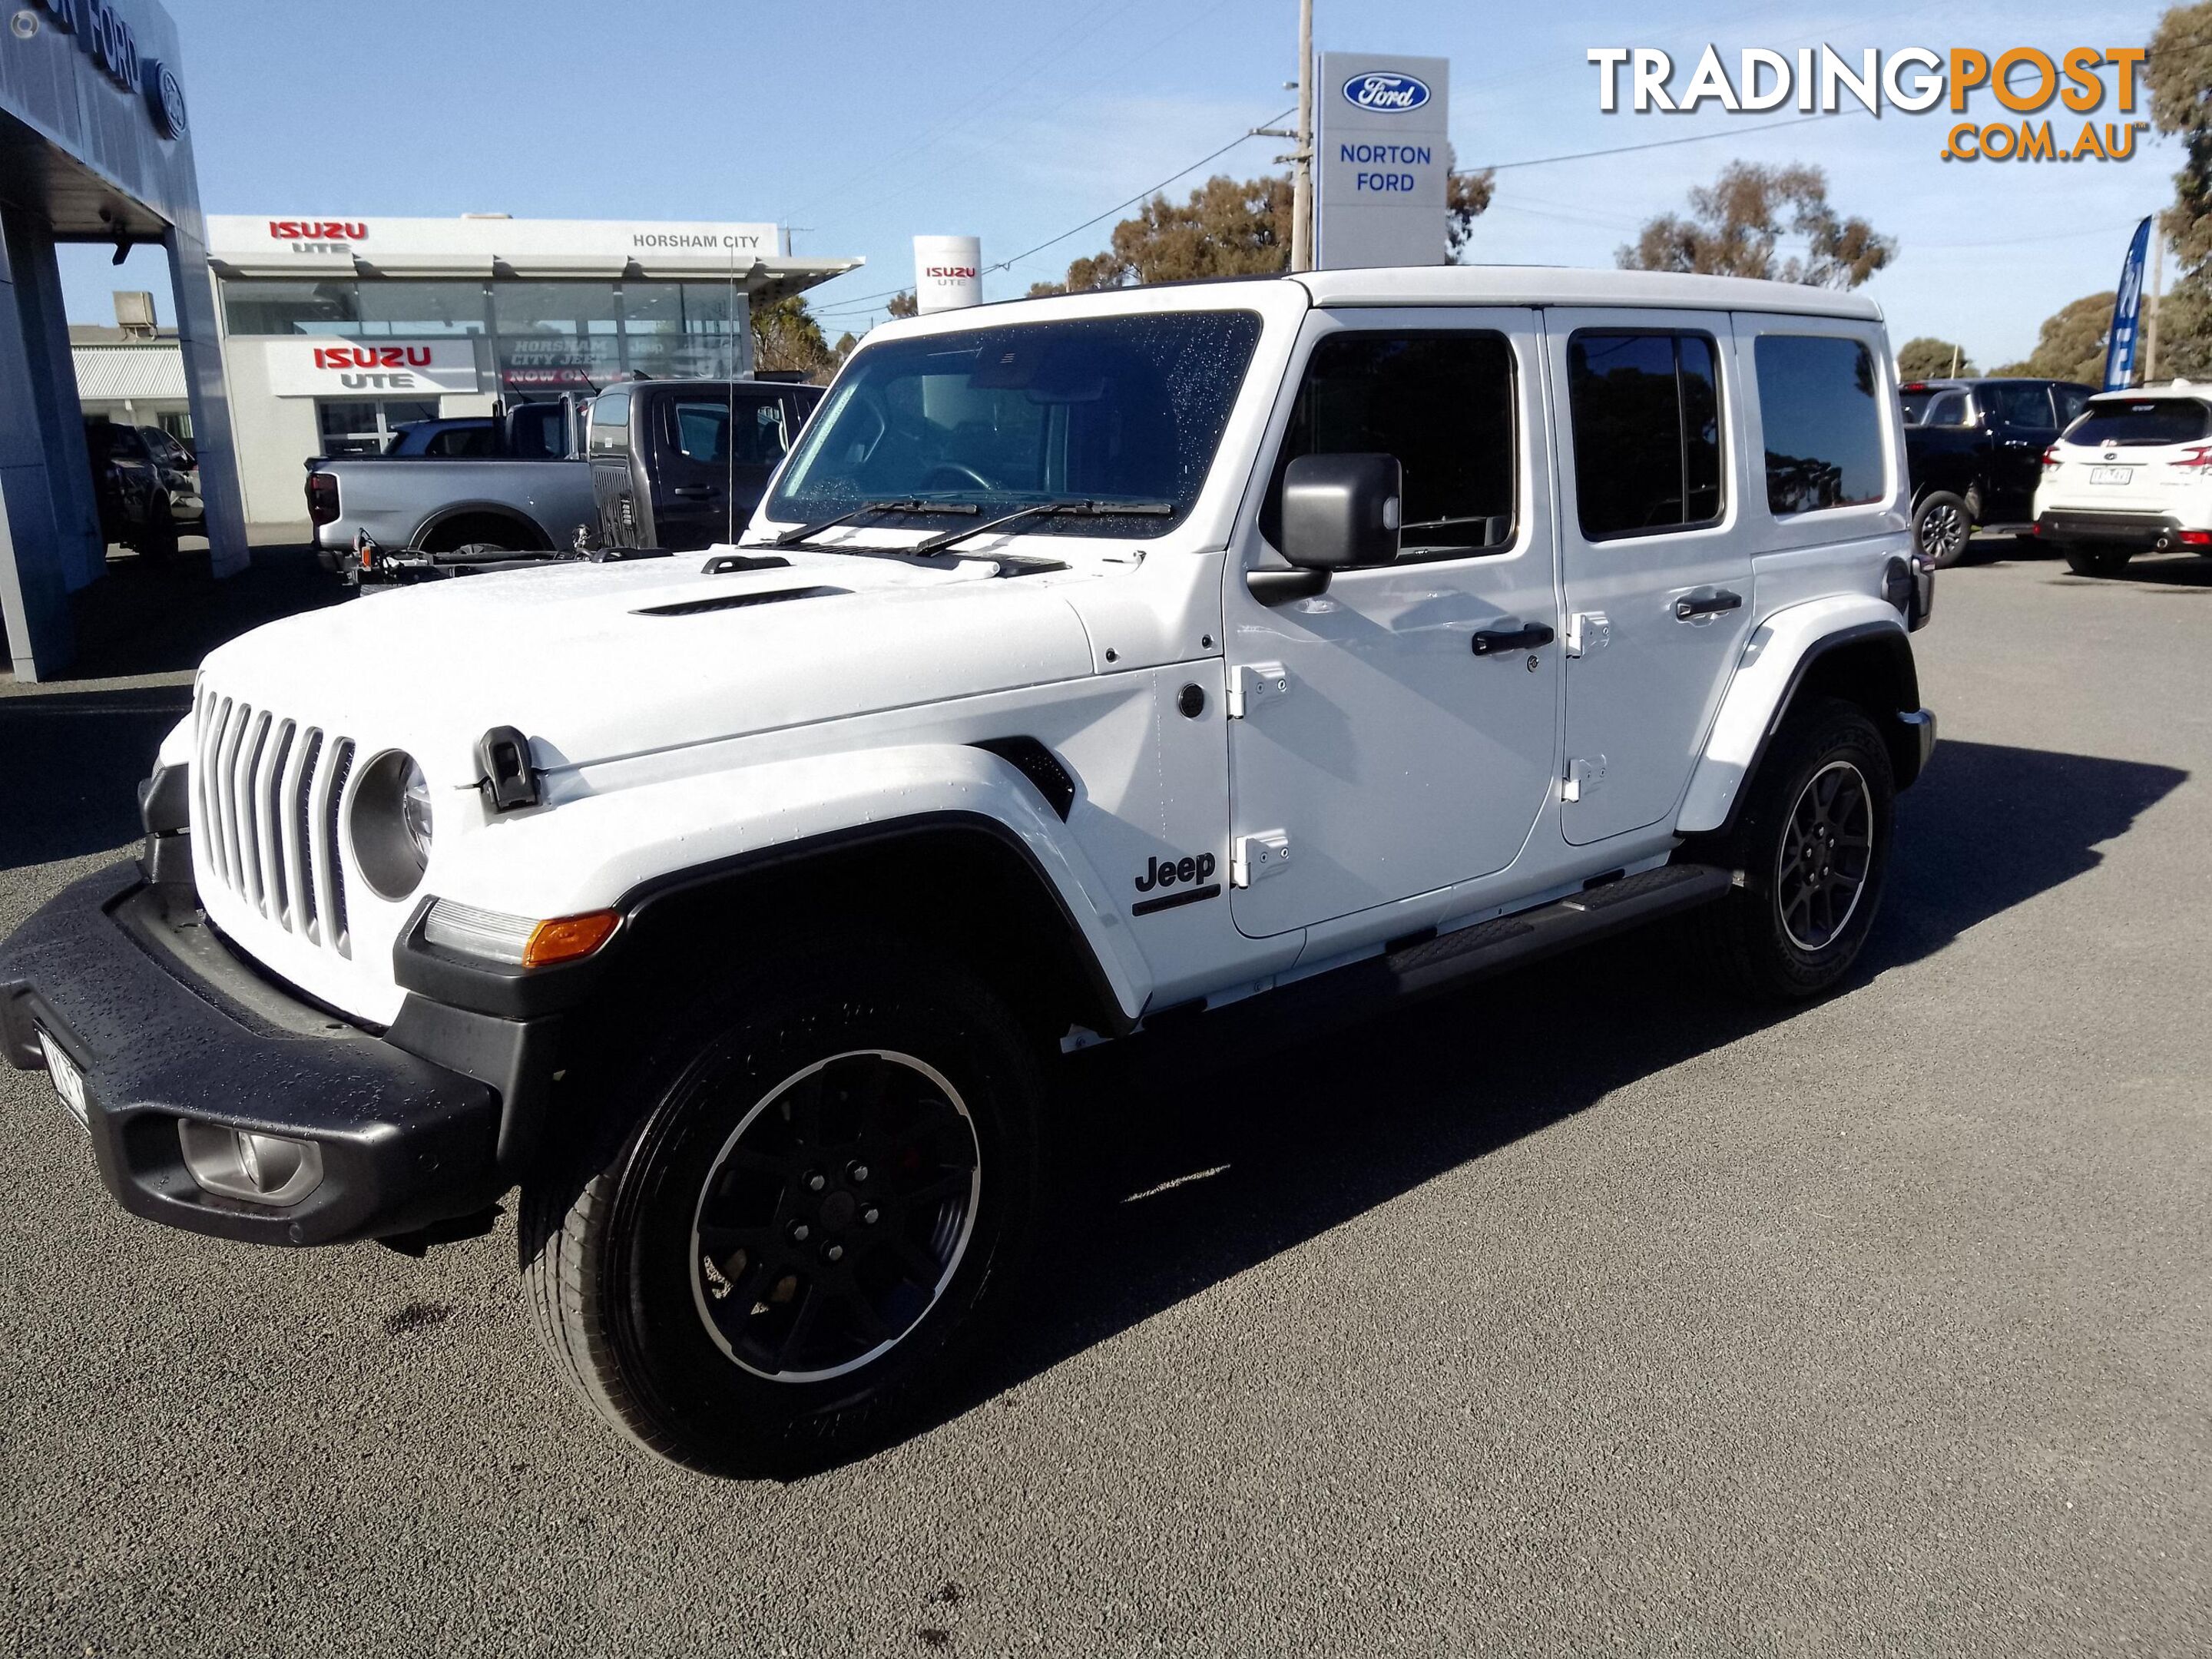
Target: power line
[[1142, 195], [1657, 143], [860, 303]]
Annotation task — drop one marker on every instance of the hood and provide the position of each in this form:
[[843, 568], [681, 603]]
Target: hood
[[597, 661]]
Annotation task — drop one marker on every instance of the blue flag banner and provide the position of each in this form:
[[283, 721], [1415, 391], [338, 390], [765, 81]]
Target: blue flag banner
[[2127, 313]]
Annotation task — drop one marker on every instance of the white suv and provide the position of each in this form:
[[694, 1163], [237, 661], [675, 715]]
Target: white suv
[[1096, 667], [2133, 475]]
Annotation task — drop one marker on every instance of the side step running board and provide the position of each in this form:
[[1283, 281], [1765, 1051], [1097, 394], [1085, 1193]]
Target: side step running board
[[1591, 914], [1250, 1029]]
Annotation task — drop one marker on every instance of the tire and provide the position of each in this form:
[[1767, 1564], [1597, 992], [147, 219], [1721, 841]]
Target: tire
[[157, 542], [1943, 528], [1766, 937], [2098, 560], [637, 1257]]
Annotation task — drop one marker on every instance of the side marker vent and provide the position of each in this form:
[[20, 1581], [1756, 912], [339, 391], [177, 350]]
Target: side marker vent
[[1041, 766]]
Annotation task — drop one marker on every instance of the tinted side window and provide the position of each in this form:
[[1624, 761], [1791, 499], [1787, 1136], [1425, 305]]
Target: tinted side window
[[1443, 404], [461, 441], [703, 426], [2071, 402], [611, 424], [2020, 405], [1647, 421], [1818, 403], [1949, 410]]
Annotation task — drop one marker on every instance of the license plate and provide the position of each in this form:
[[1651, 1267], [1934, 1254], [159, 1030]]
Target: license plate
[[68, 1082], [2110, 475]]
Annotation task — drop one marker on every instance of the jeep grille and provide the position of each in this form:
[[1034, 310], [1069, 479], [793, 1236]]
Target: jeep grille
[[266, 793]]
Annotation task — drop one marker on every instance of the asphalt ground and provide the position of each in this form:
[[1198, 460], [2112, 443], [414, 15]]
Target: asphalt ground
[[1580, 1311]]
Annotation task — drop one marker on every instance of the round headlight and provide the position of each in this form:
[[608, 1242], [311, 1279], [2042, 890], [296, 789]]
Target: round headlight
[[390, 824], [415, 810]]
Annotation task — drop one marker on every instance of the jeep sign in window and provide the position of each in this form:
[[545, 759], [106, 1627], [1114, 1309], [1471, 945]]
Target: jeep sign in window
[[1104, 409], [1818, 406]]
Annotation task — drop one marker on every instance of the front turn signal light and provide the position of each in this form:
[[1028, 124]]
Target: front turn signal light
[[517, 941], [570, 938]]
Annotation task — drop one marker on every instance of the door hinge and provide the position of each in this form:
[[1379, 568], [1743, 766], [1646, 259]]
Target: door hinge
[[1588, 633], [1585, 773], [1255, 683], [1254, 858]]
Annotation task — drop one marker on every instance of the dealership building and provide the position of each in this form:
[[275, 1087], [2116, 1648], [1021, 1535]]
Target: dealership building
[[338, 328], [95, 146]]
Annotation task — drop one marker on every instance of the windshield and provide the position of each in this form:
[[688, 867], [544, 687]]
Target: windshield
[[2151, 420], [1915, 404], [1934, 405], [1104, 409]]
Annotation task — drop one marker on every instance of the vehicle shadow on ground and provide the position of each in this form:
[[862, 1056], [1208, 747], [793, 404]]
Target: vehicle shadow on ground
[[147, 618], [1172, 1183], [2183, 572], [71, 786]]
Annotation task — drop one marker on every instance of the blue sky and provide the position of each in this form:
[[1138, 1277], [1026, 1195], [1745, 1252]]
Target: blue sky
[[861, 124]]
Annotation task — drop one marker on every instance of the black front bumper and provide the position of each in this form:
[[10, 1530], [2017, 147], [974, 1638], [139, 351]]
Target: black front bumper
[[166, 1022]]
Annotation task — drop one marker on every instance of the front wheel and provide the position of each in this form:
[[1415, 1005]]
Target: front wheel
[[2098, 560], [1812, 845], [788, 1254], [1943, 528]]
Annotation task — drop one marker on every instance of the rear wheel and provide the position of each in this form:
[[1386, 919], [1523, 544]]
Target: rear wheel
[[2098, 560], [1813, 844], [1943, 528], [788, 1254]]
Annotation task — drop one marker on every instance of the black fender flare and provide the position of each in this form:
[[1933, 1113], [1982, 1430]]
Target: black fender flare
[[513, 514]]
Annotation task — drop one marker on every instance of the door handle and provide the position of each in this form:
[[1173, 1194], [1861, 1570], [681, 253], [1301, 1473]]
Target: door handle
[[1688, 608], [1526, 637], [696, 492]]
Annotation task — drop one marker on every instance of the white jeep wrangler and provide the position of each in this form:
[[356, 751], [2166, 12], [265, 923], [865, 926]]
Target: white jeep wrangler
[[1090, 660]]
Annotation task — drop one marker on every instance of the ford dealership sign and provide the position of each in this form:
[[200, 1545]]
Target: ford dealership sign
[[1386, 91]]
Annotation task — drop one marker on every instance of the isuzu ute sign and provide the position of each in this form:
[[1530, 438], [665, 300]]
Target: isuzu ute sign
[[411, 368]]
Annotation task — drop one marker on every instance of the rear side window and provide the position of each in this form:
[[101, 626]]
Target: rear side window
[[2142, 423], [1949, 410], [460, 441], [1443, 404], [1819, 405], [2019, 405], [1647, 419], [704, 429], [2071, 401], [611, 424]]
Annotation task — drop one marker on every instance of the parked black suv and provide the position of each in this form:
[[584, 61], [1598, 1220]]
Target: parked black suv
[[133, 488], [1975, 450]]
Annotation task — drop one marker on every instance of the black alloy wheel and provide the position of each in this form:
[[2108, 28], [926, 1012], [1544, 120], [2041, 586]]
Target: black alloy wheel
[[1943, 528], [835, 1216], [1828, 850], [794, 1209], [1811, 850]]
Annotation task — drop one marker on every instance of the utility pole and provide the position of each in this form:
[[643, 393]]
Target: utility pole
[[1301, 159], [1302, 191], [2157, 282]]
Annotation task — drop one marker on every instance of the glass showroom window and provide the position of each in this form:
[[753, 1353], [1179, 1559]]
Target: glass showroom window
[[557, 335], [422, 310], [292, 306], [362, 427]]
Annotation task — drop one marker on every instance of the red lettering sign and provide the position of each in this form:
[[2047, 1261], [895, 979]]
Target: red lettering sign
[[371, 356], [317, 230]]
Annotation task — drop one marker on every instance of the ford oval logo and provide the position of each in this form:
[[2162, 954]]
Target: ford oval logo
[[1386, 90]]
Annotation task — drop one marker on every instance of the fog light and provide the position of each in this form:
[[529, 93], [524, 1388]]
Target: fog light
[[272, 1169]]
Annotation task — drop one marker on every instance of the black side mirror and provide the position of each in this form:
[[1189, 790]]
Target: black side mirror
[[1340, 513]]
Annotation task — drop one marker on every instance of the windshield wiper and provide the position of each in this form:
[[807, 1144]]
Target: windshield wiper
[[791, 537], [1050, 510]]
